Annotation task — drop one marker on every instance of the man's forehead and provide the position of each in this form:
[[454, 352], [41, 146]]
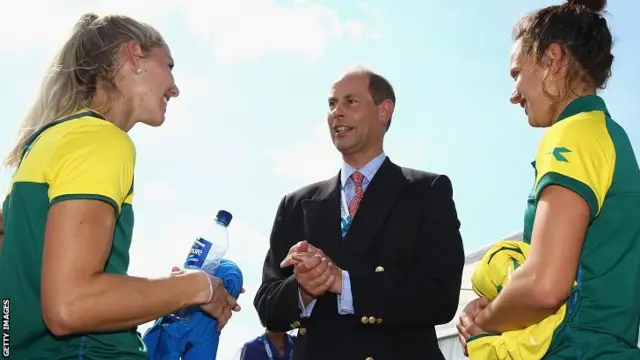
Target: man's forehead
[[350, 83]]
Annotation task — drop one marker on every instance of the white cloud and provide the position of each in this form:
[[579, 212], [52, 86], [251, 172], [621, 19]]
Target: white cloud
[[19, 33], [49, 22], [244, 29], [236, 30], [306, 160], [355, 29]]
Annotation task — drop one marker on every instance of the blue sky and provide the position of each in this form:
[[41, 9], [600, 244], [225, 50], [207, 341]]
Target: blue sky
[[249, 125]]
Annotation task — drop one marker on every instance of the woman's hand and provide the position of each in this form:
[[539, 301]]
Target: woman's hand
[[215, 299], [466, 325]]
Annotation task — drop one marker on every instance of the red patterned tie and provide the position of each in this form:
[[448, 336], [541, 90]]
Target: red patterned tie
[[355, 202]]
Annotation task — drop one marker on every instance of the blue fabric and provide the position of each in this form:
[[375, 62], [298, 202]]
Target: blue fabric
[[197, 338], [255, 350]]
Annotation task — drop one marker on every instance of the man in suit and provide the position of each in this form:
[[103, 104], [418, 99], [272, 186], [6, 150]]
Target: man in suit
[[364, 264]]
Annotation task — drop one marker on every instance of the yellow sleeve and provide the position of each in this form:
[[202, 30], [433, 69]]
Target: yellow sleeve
[[94, 161], [579, 155]]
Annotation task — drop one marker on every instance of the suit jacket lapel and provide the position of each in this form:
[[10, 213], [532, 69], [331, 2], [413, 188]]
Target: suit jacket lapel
[[322, 219], [376, 203]]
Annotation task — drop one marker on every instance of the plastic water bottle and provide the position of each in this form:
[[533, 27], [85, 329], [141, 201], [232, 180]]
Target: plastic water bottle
[[207, 252], [209, 248]]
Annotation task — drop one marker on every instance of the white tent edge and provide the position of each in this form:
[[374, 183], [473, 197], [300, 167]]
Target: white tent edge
[[449, 330]]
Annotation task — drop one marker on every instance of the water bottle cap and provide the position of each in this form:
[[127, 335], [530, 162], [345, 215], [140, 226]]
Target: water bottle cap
[[224, 217]]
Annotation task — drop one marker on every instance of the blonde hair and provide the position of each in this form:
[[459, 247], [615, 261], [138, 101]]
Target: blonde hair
[[87, 58]]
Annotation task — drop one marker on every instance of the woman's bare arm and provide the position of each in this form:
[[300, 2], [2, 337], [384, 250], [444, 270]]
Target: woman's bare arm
[[544, 282], [78, 297]]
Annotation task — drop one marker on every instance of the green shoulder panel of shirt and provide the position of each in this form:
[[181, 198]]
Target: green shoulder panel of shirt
[[82, 158], [587, 152]]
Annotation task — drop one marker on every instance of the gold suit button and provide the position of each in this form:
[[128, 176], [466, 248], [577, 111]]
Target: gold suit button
[[302, 331], [372, 320], [369, 358], [365, 319], [379, 269], [379, 321]]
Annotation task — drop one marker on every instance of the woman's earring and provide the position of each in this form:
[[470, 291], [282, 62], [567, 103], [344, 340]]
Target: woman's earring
[[138, 71]]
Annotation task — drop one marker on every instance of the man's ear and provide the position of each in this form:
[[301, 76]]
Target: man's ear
[[385, 110]]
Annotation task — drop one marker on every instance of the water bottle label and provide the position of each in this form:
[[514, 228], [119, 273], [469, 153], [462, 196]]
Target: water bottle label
[[198, 253]]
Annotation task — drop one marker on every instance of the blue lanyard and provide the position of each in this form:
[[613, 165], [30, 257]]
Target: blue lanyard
[[268, 349], [345, 217]]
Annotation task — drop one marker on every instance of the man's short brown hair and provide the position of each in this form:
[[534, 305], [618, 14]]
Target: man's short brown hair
[[380, 88]]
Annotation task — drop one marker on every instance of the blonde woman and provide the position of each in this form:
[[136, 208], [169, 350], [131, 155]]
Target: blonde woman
[[68, 215]]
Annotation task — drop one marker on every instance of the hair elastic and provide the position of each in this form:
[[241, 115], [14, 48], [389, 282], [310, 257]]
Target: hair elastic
[[210, 286]]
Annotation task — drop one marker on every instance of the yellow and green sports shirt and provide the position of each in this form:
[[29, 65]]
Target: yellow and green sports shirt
[[82, 156], [589, 153]]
